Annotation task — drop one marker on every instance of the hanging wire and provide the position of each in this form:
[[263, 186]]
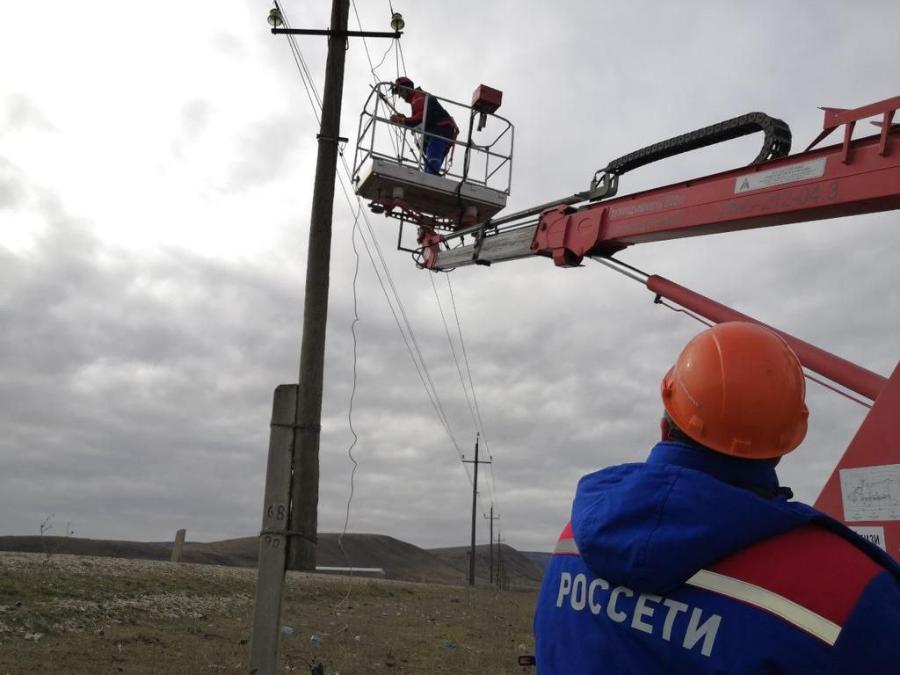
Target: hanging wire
[[354, 380], [383, 59], [836, 390], [459, 371], [395, 136], [641, 277], [402, 60], [305, 77], [662, 302], [383, 273], [423, 372], [680, 310], [462, 381], [480, 423], [353, 443]]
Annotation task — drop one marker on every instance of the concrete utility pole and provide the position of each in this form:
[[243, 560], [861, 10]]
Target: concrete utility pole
[[476, 462], [491, 543], [305, 487]]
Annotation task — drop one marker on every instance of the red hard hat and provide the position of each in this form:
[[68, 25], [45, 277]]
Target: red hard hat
[[738, 388], [403, 81]]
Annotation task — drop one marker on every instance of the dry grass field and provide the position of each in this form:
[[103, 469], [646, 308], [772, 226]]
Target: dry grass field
[[79, 614]]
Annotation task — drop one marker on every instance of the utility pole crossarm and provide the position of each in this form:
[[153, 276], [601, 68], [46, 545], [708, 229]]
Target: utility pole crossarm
[[336, 33]]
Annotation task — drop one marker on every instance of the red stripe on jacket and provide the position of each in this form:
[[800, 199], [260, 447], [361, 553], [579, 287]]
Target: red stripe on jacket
[[809, 565]]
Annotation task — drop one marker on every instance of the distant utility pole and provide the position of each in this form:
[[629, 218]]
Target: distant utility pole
[[290, 519], [499, 562], [476, 462], [491, 543]]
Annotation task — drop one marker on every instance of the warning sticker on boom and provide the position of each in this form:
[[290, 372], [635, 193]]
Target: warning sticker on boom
[[814, 168], [871, 493]]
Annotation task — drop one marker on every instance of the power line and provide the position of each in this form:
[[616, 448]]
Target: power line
[[476, 413], [453, 352], [480, 423], [411, 342], [476, 418]]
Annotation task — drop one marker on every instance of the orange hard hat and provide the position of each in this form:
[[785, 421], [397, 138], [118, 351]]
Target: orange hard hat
[[738, 388]]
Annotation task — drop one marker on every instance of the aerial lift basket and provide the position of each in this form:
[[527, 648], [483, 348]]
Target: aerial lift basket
[[473, 183]]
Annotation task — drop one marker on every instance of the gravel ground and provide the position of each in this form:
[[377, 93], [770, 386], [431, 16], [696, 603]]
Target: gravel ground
[[74, 614]]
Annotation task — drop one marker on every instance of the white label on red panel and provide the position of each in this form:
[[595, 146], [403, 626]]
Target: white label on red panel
[[874, 535], [871, 493], [814, 168]]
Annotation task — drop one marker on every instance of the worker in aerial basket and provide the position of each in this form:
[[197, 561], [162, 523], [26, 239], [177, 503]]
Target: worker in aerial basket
[[440, 128], [695, 561]]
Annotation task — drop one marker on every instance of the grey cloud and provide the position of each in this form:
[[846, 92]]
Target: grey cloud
[[228, 43], [23, 113], [136, 387], [195, 117], [263, 151], [12, 185]]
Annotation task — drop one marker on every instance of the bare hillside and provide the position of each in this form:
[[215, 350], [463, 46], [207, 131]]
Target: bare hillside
[[517, 570], [399, 560]]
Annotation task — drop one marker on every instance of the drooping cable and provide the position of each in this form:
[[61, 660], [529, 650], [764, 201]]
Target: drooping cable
[[402, 59], [681, 310], [641, 277], [354, 378], [395, 136], [456, 361], [355, 440], [402, 320], [475, 413], [805, 373], [459, 371], [480, 424], [305, 77]]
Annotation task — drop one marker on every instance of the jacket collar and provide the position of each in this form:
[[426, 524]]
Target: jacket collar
[[757, 475]]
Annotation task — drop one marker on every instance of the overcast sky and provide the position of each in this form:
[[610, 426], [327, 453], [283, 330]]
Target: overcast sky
[[156, 164]]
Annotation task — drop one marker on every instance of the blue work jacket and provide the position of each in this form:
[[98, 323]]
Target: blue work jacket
[[694, 563]]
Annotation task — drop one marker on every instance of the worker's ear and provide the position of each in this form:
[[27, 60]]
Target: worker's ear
[[665, 431]]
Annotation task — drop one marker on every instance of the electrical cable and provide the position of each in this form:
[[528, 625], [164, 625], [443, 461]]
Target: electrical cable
[[480, 423], [459, 371], [414, 349], [805, 373], [453, 352], [402, 59], [473, 407], [408, 334], [641, 277], [350, 408], [395, 136], [383, 58]]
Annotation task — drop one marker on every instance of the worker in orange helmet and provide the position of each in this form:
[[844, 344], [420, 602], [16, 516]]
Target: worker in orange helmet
[[440, 129], [696, 561]]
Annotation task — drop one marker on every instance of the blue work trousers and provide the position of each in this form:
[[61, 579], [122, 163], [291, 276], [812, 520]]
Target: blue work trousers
[[436, 148]]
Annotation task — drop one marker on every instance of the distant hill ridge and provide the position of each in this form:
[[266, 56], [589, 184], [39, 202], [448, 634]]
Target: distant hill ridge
[[399, 560]]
